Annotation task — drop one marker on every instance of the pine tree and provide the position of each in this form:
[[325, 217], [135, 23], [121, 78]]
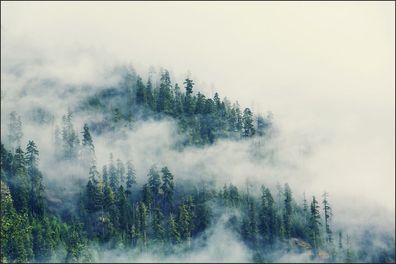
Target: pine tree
[[247, 121], [88, 148], [113, 175], [167, 187], [122, 209], [188, 106], [267, 223], [251, 223], [105, 176], [184, 221], [120, 171], [143, 222], [69, 137], [178, 102], [140, 92], [36, 195], [287, 210], [108, 197], [87, 138], [149, 95], [91, 193], [131, 176], [164, 101], [147, 196], [327, 216], [158, 230], [314, 226], [189, 84], [239, 121], [76, 244], [94, 193], [173, 233], [6, 163], [20, 184], [305, 205], [154, 183], [15, 232], [233, 196]]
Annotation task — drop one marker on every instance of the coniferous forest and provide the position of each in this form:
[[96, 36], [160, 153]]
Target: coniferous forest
[[111, 206]]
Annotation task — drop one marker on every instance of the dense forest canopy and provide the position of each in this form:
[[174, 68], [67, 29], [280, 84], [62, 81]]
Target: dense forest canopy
[[108, 208]]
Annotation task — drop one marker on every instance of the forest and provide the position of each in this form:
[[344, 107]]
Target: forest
[[165, 214]]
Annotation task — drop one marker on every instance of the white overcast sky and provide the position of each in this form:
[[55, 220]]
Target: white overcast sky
[[325, 69]]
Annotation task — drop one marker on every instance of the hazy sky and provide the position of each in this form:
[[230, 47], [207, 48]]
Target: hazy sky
[[325, 69]]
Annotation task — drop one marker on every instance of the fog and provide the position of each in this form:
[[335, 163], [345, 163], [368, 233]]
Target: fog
[[325, 70]]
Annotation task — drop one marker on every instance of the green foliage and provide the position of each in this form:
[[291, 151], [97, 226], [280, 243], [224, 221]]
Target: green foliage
[[161, 214], [131, 176], [327, 216], [247, 121], [70, 139], [314, 226], [287, 211], [202, 119]]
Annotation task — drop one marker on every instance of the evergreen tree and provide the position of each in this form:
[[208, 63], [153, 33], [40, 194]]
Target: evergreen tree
[[15, 232], [87, 138], [122, 209], [188, 107], [120, 171], [154, 183], [178, 102], [94, 195], [287, 210], [158, 230], [6, 163], [131, 176], [19, 183], [247, 121], [76, 244], [267, 223], [184, 221], [167, 187], [147, 196], [250, 224], [305, 205], [164, 101], [233, 196], [314, 226], [149, 95], [113, 175], [69, 137], [108, 197], [239, 121], [173, 233], [140, 92], [327, 216], [143, 222], [105, 176], [36, 195], [189, 84]]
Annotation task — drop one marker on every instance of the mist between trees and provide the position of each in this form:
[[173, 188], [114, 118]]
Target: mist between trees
[[98, 198]]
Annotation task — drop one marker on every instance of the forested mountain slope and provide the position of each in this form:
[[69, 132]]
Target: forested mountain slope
[[165, 215]]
